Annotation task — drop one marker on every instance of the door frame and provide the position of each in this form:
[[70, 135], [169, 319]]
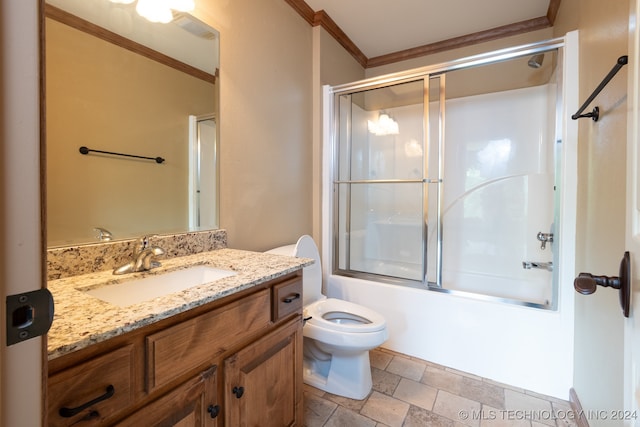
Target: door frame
[[631, 379], [22, 251], [195, 168]]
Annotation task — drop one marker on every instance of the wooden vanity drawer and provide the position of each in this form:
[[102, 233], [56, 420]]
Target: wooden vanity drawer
[[194, 343], [287, 298], [93, 390]]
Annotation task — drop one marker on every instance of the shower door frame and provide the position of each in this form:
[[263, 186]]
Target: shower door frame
[[425, 74]]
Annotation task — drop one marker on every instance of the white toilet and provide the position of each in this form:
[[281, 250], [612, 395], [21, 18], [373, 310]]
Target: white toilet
[[337, 334]]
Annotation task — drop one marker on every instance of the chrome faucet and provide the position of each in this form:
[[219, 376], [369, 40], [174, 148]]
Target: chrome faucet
[[103, 234], [143, 258]]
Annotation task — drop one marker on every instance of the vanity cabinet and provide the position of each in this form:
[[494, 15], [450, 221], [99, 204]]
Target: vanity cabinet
[[234, 361]]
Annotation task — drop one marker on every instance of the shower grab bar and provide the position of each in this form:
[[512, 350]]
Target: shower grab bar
[[595, 113], [389, 181], [85, 150]]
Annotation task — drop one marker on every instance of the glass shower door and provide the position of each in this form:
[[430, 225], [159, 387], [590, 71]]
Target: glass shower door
[[382, 194], [465, 203]]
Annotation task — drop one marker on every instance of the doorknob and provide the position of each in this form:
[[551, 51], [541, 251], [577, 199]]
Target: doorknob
[[586, 283]]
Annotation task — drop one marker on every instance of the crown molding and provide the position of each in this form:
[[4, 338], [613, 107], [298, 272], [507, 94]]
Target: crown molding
[[324, 20], [462, 41], [303, 10], [321, 18], [552, 11]]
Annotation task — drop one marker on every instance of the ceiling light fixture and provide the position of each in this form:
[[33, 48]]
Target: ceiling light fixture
[[160, 10], [385, 125]]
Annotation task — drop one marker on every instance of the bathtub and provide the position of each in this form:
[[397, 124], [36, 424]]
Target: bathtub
[[516, 345]]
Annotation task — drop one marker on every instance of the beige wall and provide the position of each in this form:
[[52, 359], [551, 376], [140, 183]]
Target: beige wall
[[272, 67], [108, 98], [337, 66], [265, 121], [598, 361], [332, 66]]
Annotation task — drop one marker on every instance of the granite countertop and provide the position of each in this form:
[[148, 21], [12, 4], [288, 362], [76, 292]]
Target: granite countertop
[[81, 320]]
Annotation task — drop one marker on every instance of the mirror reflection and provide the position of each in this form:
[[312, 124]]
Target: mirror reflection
[[119, 84]]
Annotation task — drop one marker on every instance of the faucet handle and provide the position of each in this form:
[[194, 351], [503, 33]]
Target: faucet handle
[[145, 261], [144, 242], [544, 238]]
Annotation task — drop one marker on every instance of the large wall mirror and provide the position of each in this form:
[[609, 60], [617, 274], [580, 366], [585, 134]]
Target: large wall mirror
[[117, 83]]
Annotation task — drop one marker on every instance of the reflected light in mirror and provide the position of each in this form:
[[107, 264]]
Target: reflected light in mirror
[[159, 10]]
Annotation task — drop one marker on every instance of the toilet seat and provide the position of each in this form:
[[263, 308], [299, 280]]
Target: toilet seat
[[343, 316]]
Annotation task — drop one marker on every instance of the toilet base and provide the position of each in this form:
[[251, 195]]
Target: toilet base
[[342, 375]]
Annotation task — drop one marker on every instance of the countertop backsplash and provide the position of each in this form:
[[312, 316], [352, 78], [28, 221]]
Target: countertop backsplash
[[71, 261]]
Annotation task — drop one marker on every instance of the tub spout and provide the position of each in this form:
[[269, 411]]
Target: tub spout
[[528, 265]]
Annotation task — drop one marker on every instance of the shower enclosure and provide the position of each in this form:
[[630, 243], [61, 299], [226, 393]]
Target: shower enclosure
[[444, 178]]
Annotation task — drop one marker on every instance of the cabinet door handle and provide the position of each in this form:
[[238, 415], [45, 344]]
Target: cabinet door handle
[[213, 410], [238, 391], [290, 298], [70, 412]]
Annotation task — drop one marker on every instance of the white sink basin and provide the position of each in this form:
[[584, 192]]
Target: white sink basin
[[148, 288]]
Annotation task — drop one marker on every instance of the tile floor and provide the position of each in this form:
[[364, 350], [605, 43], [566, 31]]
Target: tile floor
[[409, 392]]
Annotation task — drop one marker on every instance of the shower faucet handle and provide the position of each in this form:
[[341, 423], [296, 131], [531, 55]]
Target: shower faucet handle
[[544, 238]]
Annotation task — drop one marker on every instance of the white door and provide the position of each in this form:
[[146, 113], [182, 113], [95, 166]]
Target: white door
[[632, 325], [21, 364], [203, 173]]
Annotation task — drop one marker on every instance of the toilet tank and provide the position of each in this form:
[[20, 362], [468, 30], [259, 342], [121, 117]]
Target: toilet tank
[[311, 275]]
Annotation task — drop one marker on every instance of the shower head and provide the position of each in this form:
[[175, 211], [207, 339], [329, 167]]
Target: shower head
[[536, 61]]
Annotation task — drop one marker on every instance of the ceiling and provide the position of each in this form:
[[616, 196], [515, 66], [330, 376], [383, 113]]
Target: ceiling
[[384, 29]]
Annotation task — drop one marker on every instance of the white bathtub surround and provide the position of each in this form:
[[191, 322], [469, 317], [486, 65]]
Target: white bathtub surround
[[524, 347]]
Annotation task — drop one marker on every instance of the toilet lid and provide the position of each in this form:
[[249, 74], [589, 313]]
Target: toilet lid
[[343, 316], [311, 275]]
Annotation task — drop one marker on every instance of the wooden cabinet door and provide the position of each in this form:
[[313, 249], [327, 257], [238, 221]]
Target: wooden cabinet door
[[193, 404], [263, 381]]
